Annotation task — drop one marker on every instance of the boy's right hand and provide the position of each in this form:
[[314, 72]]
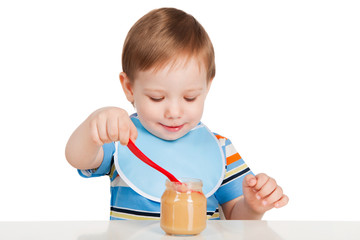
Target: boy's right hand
[[111, 124]]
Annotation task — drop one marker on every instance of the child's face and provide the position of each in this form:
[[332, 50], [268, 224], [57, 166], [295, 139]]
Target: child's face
[[170, 101]]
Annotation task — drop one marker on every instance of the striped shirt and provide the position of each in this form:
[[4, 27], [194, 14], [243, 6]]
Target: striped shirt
[[127, 204]]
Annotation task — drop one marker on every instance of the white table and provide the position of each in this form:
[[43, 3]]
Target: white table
[[148, 230]]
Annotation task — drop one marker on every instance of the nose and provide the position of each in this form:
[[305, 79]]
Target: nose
[[173, 110]]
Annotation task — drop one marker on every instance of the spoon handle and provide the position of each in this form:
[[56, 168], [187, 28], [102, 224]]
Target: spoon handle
[[136, 151]]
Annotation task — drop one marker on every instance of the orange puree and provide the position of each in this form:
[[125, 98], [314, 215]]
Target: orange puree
[[183, 208]]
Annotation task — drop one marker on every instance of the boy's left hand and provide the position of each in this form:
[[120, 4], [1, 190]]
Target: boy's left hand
[[262, 193]]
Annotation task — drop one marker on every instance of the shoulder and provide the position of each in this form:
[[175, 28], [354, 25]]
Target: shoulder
[[230, 152], [220, 138], [223, 141]]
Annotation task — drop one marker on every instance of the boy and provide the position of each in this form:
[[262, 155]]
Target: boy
[[168, 67]]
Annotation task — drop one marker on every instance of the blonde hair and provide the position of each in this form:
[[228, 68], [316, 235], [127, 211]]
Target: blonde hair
[[163, 35]]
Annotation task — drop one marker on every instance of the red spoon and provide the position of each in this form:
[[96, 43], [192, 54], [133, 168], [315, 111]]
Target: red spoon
[[147, 160]]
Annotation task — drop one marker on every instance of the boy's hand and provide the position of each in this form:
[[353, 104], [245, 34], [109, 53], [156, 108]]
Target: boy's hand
[[262, 193], [111, 124]]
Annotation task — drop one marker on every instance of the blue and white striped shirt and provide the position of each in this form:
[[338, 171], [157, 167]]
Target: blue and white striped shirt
[[127, 204]]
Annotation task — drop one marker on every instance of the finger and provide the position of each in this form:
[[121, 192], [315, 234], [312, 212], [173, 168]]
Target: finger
[[282, 202], [112, 129], [267, 188], [275, 196], [133, 132], [124, 131], [261, 178], [249, 181], [101, 128], [94, 133]]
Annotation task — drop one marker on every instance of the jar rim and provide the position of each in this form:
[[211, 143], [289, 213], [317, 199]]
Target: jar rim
[[190, 183], [187, 180]]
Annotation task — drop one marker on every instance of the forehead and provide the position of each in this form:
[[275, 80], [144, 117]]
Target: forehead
[[176, 66], [178, 76], [181, 63]]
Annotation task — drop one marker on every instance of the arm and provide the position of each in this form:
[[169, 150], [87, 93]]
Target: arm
[[261, 193], [84, 147]]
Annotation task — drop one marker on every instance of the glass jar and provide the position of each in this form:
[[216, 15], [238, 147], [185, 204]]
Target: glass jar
[[183, 207]]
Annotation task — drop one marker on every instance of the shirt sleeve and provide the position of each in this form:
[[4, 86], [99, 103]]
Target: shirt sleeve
[[236, 170], [104, 168]]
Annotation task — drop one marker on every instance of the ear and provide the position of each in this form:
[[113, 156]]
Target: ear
[[127, 87]]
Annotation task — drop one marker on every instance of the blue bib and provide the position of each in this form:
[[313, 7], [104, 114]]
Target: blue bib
[[195, 155]]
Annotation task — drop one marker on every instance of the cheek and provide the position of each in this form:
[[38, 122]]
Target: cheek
[[196, 110], [147, 109]]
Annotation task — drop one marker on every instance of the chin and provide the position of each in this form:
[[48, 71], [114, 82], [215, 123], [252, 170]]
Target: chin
[[172, 138], [159, 132], [169, 137]]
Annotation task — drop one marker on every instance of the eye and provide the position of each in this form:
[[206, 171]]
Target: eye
[[190, 99], [156, 99]]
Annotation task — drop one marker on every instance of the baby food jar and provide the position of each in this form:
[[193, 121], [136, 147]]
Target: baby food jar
[[183, 207]]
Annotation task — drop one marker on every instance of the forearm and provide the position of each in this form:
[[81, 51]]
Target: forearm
[[81, 151], [241, 211]]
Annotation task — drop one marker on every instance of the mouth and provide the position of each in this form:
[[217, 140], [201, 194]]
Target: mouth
[[172, 128]]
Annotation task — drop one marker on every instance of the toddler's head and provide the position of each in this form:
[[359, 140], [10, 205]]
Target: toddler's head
[[168, 65]]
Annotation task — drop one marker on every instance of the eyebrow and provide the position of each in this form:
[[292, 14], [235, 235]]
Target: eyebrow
[[194, 89], [162, 91], [154, 90]]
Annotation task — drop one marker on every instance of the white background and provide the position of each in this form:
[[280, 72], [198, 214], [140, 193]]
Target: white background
[[286, 93]]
